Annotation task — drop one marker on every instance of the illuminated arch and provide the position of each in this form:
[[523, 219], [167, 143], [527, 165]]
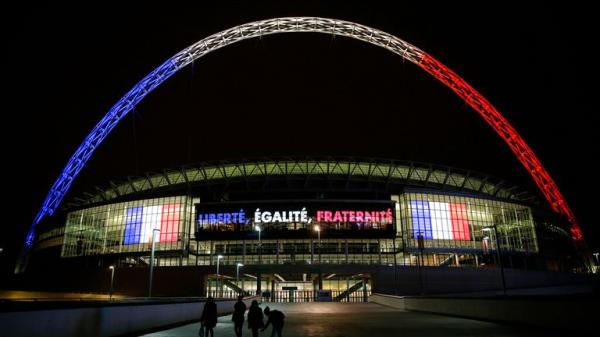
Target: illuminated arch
[[305, 24]]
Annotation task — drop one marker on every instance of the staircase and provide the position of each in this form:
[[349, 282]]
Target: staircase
[[232, 286], [447, 261], [348, 291]]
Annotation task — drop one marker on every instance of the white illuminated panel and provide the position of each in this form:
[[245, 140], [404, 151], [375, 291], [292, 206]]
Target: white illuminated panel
[[440, 220], [150, 221]]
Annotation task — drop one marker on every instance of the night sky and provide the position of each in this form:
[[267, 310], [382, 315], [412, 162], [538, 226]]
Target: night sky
[[295, 94]]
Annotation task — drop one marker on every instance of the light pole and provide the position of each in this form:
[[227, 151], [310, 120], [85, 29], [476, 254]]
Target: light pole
[[318, 230], [237, 275], [112, 278], [499, 253], [152, 260], [257, 228], [421, 247], [219, 257]]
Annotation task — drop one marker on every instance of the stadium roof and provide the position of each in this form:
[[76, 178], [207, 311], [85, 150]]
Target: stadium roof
[[335, 168]]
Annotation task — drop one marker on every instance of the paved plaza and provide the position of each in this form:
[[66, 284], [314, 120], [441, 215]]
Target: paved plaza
[[363, 320]]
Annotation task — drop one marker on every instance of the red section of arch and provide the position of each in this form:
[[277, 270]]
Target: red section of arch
[[523, 152]]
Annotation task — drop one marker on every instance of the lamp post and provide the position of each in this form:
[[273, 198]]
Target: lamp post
[[318, 230], [237, 275], [421, 247], [112, 278], [152, 260], [219, 257], [499, 253], [257, 228]]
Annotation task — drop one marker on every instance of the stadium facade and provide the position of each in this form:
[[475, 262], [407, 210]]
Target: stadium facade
[[291, 214]]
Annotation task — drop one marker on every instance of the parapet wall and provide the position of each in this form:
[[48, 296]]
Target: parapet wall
[[98, 319]]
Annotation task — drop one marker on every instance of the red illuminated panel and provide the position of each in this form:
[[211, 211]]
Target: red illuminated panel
[[460, 223], [169, 224]]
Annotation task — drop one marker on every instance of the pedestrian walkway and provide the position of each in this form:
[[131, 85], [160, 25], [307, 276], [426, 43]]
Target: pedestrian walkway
[[363, 319]]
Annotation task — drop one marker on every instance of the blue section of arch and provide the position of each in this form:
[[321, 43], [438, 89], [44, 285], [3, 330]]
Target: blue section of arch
[[95, 137]]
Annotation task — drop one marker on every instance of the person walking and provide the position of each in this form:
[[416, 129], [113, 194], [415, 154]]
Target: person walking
[[209, 316], [239, 308], [275, 317], [255, 318]]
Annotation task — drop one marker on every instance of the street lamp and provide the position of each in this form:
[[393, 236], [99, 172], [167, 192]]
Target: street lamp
[[318, 230], [152, 260], [487, 229], [237, 275], [421, 247], [257, 228], [219, 257], [112, 278]]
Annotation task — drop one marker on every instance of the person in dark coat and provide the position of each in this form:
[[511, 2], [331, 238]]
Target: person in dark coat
[[209, 316], [255, 318], [239, 308], [275, 317]]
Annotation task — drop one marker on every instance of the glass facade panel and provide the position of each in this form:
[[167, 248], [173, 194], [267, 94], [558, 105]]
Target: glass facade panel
[[456, 230], [457, 222], [128, 227]]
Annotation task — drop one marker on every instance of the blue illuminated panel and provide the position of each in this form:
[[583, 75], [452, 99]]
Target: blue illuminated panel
[[421, 219], [133, 225]]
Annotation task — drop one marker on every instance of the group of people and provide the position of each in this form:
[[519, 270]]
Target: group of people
[[208, 320]]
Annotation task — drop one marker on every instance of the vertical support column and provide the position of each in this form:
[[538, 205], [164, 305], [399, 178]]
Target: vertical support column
[[208, 286], [244, 252], [258, 283], [346, 249], [212, 251], [315, 283], [320, 279], [312, 251], [277, 252], [272, 290], [365, 293], [379, 251], [106, 229], [347, 288], [395, 265]]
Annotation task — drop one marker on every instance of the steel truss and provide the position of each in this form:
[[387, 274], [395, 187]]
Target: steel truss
[[360, 169], [293, 25]]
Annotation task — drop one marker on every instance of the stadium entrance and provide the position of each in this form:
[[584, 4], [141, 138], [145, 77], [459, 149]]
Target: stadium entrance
[[293, 287]]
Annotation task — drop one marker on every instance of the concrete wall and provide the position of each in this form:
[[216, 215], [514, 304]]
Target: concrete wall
[[190, 280], [168, 281], [564, 313], [112, 319], [435, 280]]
